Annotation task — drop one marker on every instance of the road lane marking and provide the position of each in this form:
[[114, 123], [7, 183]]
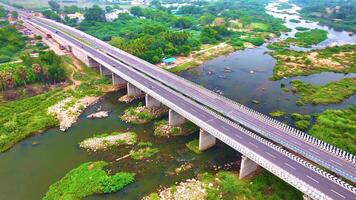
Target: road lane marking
[[253, 144], [335, 162], [273, 156], [312, 179], [290, 166], [338, 193], [225, 128], [314, 151]]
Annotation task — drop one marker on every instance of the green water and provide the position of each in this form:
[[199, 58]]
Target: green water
[[27, 170]]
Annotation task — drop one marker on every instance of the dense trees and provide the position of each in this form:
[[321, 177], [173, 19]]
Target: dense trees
[[51, 15], [54, 5], [11, 42], [2, 12], [47, 68], [95, 13], [339, 14]]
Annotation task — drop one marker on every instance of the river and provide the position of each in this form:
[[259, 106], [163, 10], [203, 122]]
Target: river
[[28, 169]]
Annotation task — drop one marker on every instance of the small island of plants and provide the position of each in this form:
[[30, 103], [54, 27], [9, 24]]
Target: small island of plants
[[87, 179]]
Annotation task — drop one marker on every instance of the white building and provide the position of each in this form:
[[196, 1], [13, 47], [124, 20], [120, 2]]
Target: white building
[[115, 14]]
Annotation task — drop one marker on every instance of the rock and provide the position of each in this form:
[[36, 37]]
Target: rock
[[100, 114]]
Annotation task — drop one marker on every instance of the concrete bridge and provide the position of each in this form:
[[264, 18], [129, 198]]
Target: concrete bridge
[[256, 150], [326, 155]]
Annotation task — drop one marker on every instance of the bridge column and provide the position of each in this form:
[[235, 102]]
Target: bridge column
[[306, 197], [93, 63], [104, 71], [151, 102], [175, 119], [247, 167], [117, 80], [132, 90], [206, 140]]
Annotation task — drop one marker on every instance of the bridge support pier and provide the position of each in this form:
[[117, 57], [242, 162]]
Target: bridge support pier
[[206, 140], [117, 80], [104, 71], [92, 63], [175, 119], [151, 102], [306, 197], [132, 90], [247, 167]]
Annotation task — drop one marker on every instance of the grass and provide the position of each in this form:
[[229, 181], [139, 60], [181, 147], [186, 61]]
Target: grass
[[301, 28], [301, 121], [340, 59], [333, 92], [277, 113], [137, 117], [23, 118], [261, 186], [87, 179], [308, 38], [194, 146], [294, 21], [142, 153], [337, 127]]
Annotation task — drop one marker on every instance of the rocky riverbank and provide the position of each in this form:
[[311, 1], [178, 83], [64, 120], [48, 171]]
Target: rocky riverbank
[[143, 114], [68, 110], [105, 141]]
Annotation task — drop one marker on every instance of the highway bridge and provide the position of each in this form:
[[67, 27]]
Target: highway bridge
[[257, 137]]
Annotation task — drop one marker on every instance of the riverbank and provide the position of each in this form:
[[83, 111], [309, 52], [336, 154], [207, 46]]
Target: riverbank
[[331, 59], [226, 185]]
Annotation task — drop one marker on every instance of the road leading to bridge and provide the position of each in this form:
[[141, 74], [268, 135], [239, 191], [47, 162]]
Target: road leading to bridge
[[238, 113]]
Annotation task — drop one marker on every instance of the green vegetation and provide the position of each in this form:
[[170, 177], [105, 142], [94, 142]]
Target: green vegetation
[[262, 186], [308, 38], [333, 92], [277, 113], [301, 121], [341, 59], [162, 129], [24, 117], [338, 14], [146, 151], [294, 21], [11, 43], [136, 116], [194, 146], [337, 127], [301, 28], [48, 68], [87, 179], [284, 6], [154, 33]]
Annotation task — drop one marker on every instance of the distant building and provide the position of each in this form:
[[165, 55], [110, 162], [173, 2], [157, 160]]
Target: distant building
[[78, 16], [115, 14]]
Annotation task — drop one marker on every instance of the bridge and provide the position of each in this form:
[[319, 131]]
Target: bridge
[[257, 137]]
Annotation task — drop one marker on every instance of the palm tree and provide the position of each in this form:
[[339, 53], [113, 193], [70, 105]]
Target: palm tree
[[23, 75], [37, 69]]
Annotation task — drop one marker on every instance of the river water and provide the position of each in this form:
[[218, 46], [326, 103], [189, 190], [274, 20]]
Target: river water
[[27, 170]]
